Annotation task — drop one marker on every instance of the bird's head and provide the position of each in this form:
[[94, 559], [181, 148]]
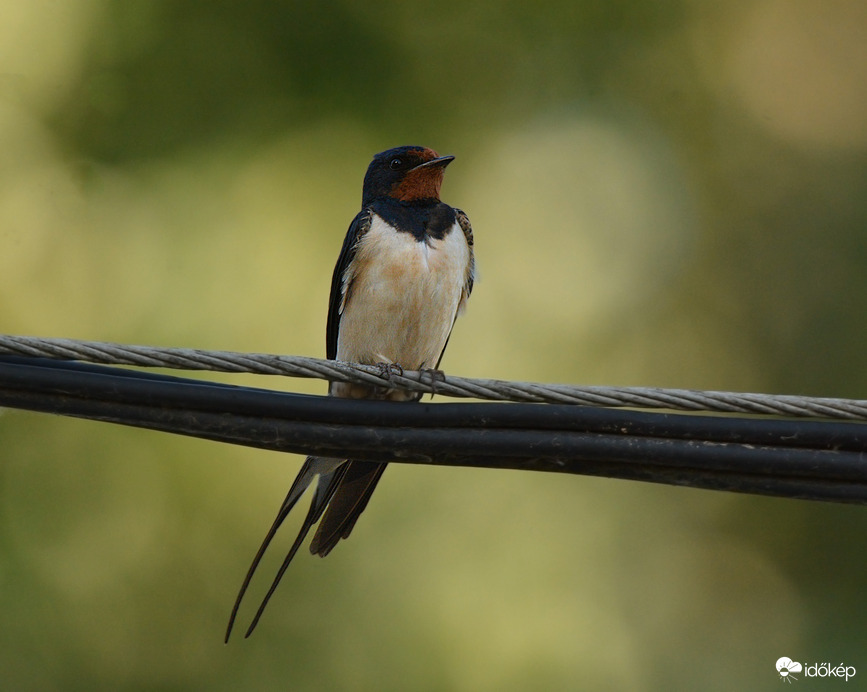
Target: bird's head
[[407, 174]]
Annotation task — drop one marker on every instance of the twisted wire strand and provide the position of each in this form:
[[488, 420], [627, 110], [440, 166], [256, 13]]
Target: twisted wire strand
[[424, 381]]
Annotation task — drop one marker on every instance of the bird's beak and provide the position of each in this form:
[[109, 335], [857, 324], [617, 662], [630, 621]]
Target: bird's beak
[[440, 162]]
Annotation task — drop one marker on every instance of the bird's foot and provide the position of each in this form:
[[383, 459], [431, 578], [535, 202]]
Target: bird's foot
[[433, 375], [386, 370]]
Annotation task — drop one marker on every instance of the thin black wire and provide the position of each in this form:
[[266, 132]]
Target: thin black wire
[[806, 459]]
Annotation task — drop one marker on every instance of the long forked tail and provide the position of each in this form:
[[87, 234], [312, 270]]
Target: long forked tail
[[352, 494], [330, 472]]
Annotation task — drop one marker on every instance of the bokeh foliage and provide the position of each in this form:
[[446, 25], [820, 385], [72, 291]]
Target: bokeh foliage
[[664, 193]]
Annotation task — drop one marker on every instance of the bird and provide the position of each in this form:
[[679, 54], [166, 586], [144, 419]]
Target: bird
[[404, 274]]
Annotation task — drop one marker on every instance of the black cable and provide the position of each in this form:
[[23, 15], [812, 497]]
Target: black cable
[[808, 459]]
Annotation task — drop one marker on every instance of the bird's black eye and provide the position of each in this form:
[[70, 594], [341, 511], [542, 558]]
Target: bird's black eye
[[395, 164]]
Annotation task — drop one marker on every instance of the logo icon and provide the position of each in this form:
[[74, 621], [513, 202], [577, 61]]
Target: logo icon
[[786, 666]]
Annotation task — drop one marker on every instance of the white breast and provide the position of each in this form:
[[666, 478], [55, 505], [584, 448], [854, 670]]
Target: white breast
[[404, 297]]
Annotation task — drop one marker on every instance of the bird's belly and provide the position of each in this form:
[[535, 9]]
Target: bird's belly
[[403, 298]]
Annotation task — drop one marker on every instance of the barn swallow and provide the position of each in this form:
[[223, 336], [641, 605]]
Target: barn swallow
[[404, 274]]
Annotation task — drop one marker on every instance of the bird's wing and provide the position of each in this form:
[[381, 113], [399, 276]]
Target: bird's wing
[[341, 280], [464, 222]]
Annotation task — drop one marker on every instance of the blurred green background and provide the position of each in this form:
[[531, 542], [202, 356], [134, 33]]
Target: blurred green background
[[668, 193]]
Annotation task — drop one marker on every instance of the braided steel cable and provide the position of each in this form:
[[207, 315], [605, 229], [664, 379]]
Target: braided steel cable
[[424, 381]]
